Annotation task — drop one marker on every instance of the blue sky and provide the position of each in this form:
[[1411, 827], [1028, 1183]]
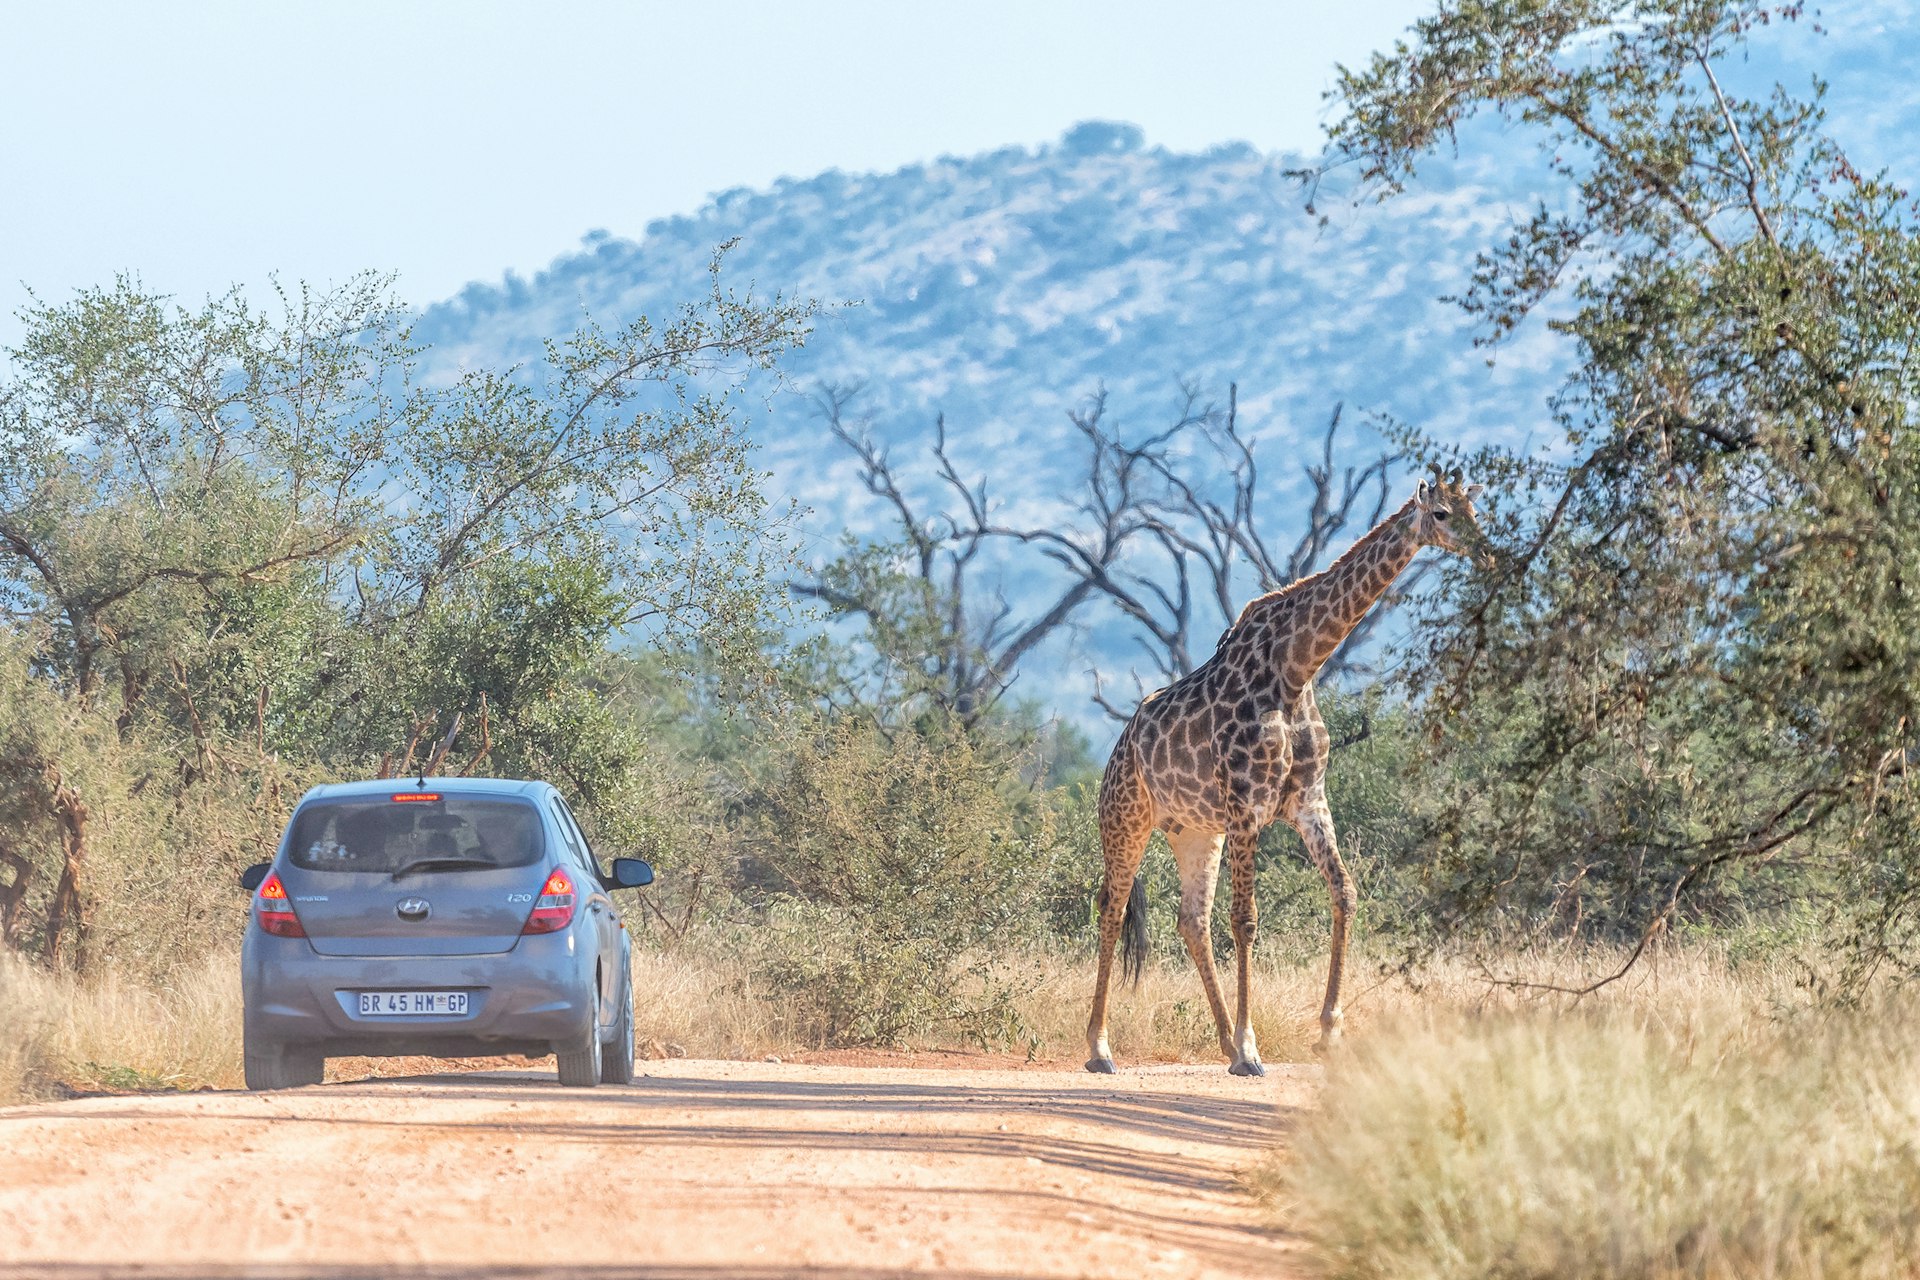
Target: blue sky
[[207, 144]]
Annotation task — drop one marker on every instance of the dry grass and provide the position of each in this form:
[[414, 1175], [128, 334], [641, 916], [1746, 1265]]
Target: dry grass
[[1165, 1018], [112, 1032], [707, 1003], [1704, 1130], [1696, 1120], [116, 1032], [704, 1003], [705, 999]]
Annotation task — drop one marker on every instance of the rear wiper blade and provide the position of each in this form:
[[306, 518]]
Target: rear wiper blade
[[444, 864]]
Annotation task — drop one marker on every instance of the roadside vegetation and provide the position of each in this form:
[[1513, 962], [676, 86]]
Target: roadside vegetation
[[1685, 691], [712, 998], [1672, 1137]]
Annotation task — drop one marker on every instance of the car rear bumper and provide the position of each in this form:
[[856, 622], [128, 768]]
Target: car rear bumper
[[519, 1001]]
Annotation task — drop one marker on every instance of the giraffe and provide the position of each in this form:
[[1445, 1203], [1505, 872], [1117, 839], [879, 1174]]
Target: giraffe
[[1237, 742]]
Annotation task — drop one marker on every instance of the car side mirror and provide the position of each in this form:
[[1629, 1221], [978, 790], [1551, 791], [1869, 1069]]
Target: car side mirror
[[631, 873], [251, 878]]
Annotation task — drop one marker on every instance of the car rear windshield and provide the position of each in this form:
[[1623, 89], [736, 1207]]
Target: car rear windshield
[[382, 834]]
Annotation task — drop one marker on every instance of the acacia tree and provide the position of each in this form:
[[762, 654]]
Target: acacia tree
[[1167, 533], [262, 525], [1687, 686]]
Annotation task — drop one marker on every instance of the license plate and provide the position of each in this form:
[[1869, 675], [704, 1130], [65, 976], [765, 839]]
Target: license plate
[[412, 1004]]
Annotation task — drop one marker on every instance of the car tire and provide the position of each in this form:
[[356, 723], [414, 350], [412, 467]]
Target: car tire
[[268, 1065], [306, 1066], [616, 1055], [580, 1066]]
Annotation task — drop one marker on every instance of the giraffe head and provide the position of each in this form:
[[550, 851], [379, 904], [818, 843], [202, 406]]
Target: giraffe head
[[1443, 512]]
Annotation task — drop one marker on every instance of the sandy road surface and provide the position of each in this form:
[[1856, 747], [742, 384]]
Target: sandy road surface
[[700, 1169]]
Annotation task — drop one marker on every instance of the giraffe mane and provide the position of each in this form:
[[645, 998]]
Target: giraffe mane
[[1300, 584]]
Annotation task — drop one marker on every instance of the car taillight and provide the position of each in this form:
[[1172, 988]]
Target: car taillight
[[554, 911], [274, 912]]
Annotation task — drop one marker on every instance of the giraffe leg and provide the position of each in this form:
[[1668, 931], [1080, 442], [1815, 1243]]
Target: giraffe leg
[[1314, 822], [1242, 836], [1125, 826], [1197, 854]]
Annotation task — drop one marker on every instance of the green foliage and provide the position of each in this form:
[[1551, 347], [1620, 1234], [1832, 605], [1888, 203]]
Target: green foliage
[[150, 826], [153, 457], [120, 1079], [241, 551], [898, 873], [1684, 688]]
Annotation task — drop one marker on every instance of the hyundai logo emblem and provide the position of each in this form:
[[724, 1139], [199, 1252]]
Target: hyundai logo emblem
[[412, 909]]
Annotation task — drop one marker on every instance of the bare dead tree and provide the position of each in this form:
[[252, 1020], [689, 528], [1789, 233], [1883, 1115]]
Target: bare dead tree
[[388, 767], [1217, 535], [446, 744], [1169, 531], [970, 637], [1206, 521], [1121, 502]]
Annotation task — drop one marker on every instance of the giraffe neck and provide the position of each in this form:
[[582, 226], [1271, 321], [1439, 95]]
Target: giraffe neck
[[1324, 609]]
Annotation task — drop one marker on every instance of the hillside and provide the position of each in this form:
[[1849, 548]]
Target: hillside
[[1001, 289]]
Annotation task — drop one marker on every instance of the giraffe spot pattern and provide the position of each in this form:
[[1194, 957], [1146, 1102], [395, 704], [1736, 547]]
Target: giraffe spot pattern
[[1239, 742]]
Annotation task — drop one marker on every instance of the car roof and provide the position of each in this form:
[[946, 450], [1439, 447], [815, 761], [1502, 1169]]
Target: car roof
[[445, 786]]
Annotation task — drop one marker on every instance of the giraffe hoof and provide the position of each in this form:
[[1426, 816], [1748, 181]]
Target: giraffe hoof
[[1102, 1067], [1246, 1069]]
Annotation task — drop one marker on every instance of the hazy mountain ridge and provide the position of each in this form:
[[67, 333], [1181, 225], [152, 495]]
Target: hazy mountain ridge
[[1002, 288]]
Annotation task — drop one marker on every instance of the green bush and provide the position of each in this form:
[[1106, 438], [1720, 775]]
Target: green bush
[[898, 873]]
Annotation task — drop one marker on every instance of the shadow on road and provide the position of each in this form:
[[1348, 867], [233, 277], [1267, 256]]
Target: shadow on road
[[1166, 1146], [952, 1120], [1223, 1121]]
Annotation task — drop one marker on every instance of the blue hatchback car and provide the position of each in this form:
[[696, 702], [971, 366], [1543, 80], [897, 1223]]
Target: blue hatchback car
[[440, 916]]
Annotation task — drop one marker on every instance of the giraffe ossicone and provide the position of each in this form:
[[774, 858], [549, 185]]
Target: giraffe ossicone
[[1237, 743]]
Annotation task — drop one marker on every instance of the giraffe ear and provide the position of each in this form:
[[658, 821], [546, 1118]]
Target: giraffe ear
[[1474, 491], [1423, 493]]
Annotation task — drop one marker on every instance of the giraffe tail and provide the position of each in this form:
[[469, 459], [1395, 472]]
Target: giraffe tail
[[1133, 932]]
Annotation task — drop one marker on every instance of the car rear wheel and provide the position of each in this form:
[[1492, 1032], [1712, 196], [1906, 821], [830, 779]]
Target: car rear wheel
[[616, 1056], [580, 1065], [269, 1065]]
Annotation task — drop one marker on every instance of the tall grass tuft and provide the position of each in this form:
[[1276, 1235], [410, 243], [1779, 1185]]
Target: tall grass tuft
[[1623, 1142], [114, 1031]]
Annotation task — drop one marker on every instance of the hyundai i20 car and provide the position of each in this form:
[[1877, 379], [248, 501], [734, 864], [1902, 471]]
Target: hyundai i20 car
[[442, 916]]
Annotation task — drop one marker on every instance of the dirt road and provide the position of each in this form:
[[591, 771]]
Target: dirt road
[[700, 1169]]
